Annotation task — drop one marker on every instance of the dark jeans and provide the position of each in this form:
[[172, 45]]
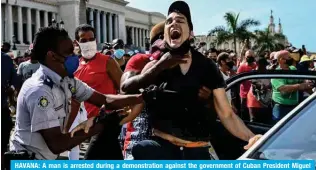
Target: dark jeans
[[6, 127], [160, 149], [105, 145], [261, 115], [279, 111]]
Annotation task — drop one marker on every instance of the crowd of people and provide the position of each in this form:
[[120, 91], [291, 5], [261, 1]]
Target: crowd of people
[[162, 103], [265, 100]]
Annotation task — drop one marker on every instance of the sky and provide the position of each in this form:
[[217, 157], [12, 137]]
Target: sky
[[298, 17]]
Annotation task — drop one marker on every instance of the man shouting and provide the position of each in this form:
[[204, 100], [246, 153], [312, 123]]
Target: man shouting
[[182, 122]]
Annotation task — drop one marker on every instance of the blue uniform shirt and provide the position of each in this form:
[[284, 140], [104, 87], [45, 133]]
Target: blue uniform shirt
[[43, 104]]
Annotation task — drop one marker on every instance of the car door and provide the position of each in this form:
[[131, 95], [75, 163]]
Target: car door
[[229, 147]]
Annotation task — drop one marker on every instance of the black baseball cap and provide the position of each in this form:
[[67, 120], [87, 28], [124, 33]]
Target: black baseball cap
[[182, 8]]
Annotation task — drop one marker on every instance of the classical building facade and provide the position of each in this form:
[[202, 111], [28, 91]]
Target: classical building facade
[[211, 40], [111, 19]]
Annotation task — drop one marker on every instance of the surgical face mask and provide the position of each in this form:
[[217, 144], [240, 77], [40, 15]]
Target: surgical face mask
[[250, 60], [235, 68], [119, 53], [230, 64], [71, 64], [88, 49], [182, 50], [289, 62]]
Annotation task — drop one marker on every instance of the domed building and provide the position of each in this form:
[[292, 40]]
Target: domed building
[[211, 40]]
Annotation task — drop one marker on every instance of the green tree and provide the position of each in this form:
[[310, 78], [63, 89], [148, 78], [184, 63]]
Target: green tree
[[234, 30], [265, 41]]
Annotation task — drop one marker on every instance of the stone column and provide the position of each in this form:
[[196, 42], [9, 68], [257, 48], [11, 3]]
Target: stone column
[[115, 25], [45, 18], [104, 27], [147, 34], [37, 20], [20, 25], [143, 37], [137, 37], [91, 20], [29, 25], [9, 24], [132, 35], [110, 27], [98, 27]]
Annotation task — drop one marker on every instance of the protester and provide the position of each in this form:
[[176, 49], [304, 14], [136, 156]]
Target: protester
[[273, 61], [247, 66], [102, 73], [233, 57], [9, 80], [118, 55], [259, 97], [6, 47], [47, 98], [285, 91], [27, 68], [305, 64], [225, 66], [212, 54], [184, 70], [126, 58], [138, 129]]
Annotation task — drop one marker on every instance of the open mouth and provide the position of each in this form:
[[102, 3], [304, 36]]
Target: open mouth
[[175, 34]]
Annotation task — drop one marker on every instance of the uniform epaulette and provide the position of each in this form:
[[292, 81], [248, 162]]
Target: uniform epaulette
[[48, 81]]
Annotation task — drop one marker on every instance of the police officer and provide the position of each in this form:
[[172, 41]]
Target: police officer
[[45, 100]]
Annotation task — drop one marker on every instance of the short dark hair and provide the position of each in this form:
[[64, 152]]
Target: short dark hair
[[46, 39], [8, 45], [222, 57], [84, 28], [213, 50]]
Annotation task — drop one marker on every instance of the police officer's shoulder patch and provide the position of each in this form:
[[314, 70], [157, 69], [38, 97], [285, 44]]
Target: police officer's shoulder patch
[[72, 89], [43, 102]]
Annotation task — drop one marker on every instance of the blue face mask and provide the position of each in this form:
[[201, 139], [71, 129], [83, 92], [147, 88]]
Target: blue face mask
[[71, 64], [119, 53]]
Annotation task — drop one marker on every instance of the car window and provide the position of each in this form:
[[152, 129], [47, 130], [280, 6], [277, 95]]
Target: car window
[[294, 141], [261, 101]]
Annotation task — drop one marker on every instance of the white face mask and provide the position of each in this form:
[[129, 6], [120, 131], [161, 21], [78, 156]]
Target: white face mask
[[88, 49]]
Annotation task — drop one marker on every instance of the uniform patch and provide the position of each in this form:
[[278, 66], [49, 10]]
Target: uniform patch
[[43, 102], [72, 89]]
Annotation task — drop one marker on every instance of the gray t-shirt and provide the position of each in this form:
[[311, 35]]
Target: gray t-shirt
[[42, 104], [26, 69]]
